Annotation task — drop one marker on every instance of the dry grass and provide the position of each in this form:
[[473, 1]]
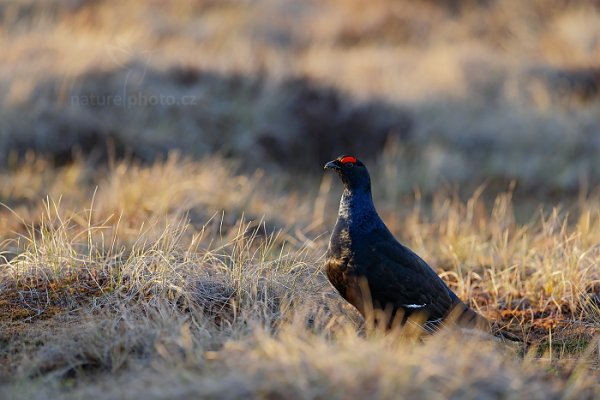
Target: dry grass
[[468, 91], [174, 250], [174, 306]]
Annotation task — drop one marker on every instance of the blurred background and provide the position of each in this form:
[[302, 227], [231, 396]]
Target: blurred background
[[454, 93]]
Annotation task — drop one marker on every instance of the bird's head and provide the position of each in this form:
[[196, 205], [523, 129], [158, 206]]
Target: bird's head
[[352, 171]]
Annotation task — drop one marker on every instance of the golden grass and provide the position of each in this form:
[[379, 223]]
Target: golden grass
[[189, 308], [482, 80], [187, 278]]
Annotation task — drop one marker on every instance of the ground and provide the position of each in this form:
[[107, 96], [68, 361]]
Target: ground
[[172, 247]]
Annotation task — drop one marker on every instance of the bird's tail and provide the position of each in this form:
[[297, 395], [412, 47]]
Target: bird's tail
[[466, 317]]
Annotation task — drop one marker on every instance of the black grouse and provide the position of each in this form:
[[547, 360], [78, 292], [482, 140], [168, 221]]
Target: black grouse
[[364, 259]]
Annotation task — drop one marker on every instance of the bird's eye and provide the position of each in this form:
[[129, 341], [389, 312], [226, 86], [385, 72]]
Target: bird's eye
[[349, 165]]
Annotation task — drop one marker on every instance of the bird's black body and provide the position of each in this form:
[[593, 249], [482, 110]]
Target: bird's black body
[[369, 267]]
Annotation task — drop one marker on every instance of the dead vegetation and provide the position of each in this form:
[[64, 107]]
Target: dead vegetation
[[232, 309], [163, 214], [503, 82]]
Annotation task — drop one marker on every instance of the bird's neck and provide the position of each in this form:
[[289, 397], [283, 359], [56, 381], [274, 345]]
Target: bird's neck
[[358, 211]]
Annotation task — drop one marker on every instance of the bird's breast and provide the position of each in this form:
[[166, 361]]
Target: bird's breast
[[340, 274]]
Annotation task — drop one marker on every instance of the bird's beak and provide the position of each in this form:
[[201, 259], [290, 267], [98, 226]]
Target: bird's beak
[[334, 165]]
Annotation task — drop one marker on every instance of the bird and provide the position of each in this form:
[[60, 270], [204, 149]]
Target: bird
[[376, 273]]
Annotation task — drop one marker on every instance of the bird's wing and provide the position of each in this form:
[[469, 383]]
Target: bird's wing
[[398, 276]]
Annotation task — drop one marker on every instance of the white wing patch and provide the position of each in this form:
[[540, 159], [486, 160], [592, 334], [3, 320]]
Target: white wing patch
[[414, 305]]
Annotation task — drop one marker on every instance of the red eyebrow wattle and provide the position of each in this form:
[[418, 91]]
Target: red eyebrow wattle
[[348, 159]]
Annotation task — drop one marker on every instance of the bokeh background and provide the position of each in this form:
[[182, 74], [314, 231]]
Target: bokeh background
[[458, 92]]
